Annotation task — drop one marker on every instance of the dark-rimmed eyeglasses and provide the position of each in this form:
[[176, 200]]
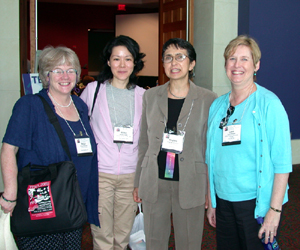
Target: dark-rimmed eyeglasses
[[60, 72], [178, 57], [224, 121]]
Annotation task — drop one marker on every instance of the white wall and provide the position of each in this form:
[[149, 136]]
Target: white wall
[[143, 28], [9, 63]]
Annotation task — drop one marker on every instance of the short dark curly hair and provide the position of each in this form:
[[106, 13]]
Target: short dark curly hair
[[182, 44], [133, 48]]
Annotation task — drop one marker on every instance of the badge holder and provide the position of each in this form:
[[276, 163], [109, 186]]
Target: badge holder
[[173, 142], [83, 145], [232, 135], [123, 134]]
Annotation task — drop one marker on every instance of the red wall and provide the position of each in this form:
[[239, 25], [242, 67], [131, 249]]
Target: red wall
[[68, 24]]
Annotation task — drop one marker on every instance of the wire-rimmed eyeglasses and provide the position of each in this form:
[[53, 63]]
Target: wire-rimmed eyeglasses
[[60, 72], [224, 121], [178, 57]]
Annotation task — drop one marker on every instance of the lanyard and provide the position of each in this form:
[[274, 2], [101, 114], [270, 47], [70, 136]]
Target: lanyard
[[186, 118], [67, 121], [240, 121]]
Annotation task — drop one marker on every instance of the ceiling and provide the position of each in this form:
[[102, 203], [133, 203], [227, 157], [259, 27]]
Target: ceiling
[[131, 3]]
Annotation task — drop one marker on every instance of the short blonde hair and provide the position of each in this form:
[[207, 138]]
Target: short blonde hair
[[243, 40], [51, 57]]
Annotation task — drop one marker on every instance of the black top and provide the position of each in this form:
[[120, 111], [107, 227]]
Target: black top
[[174, 108]]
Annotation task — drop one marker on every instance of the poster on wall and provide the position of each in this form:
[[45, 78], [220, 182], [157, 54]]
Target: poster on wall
[[32, 83]]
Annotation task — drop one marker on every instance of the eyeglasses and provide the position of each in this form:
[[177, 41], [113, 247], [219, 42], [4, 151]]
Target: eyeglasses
[[60, 72], [224, 121], [178, 57]]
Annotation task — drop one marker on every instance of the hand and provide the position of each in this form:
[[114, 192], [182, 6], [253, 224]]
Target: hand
[[7, 207], [136, 197], [270, 225], [211, 216]]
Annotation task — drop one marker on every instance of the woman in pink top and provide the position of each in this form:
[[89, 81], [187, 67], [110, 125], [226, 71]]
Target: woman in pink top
[[115, 109]]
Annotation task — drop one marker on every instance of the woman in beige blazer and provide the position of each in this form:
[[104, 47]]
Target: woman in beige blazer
[[171, 174]]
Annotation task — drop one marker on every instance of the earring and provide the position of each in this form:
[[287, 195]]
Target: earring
[[255, 73]]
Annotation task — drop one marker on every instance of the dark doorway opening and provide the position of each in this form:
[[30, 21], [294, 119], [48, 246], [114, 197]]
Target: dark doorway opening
[[97, 39]]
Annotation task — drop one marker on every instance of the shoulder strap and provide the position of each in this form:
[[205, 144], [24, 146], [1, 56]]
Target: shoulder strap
[[54, 121], [95, 97]]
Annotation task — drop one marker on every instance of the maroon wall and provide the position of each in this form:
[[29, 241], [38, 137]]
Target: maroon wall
[[68, 24]]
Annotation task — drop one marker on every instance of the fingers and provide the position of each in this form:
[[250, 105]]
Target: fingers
[[136, 197], [268, 234], [211, 216]]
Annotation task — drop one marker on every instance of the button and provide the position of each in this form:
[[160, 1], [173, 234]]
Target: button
[[179, 125], [259, 186], [260, 155], [260, 171], [258, 124], [253, 111], [261, 140], [181, 159]]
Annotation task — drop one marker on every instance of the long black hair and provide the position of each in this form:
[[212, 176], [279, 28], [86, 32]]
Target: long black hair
[[133, 48]]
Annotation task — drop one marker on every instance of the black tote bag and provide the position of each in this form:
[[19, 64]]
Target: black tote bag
[[49, 199], [53, 195]]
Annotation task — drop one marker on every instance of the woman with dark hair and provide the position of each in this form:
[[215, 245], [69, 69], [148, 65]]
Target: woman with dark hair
[[115, 110], [171, 175]]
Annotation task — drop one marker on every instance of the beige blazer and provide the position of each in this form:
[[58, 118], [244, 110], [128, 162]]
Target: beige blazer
[[192, 167]]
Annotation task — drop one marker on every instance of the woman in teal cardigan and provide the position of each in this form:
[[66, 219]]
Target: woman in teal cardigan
[[248, 154]]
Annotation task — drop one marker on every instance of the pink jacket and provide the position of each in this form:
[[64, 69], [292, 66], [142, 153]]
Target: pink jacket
[[110, 159]]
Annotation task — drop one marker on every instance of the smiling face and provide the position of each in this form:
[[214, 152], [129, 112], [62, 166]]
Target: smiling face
[[62, 83], [240, 67], [121, 63], [177, 70]]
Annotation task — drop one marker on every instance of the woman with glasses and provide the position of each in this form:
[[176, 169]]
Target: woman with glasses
[[171, 174], [248, 154], [31, 138], [115, 108]]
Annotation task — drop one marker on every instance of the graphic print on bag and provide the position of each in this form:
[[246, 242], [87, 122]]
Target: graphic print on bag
[[40, 201]]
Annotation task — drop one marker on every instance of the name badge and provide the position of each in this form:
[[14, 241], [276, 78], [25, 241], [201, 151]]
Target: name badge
[[232, 135], [173, 143], [123, 134], [83, 146]]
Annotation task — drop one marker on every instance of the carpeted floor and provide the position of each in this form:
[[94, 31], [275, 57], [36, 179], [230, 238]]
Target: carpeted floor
[[290, 226]]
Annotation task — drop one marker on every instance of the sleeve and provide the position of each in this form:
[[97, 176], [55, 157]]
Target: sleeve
[[279, 139], [143, 142], [21, 124], [87, 95]]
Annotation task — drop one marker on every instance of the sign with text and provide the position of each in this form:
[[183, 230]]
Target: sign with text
[[32, 83]]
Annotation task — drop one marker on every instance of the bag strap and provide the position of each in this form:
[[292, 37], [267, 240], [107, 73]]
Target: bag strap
[[54, 121], [95, 97]]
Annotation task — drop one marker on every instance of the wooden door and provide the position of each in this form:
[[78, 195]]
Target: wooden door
[[173, 22]]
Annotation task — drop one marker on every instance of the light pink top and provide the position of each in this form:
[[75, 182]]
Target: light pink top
[[111, 160]]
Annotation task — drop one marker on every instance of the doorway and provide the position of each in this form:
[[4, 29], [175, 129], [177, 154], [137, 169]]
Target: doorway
[[97, 40]]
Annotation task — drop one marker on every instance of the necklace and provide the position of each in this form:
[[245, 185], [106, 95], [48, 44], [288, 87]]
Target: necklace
[[180, 97], [69, 124], [60, 104], [244, 107]]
